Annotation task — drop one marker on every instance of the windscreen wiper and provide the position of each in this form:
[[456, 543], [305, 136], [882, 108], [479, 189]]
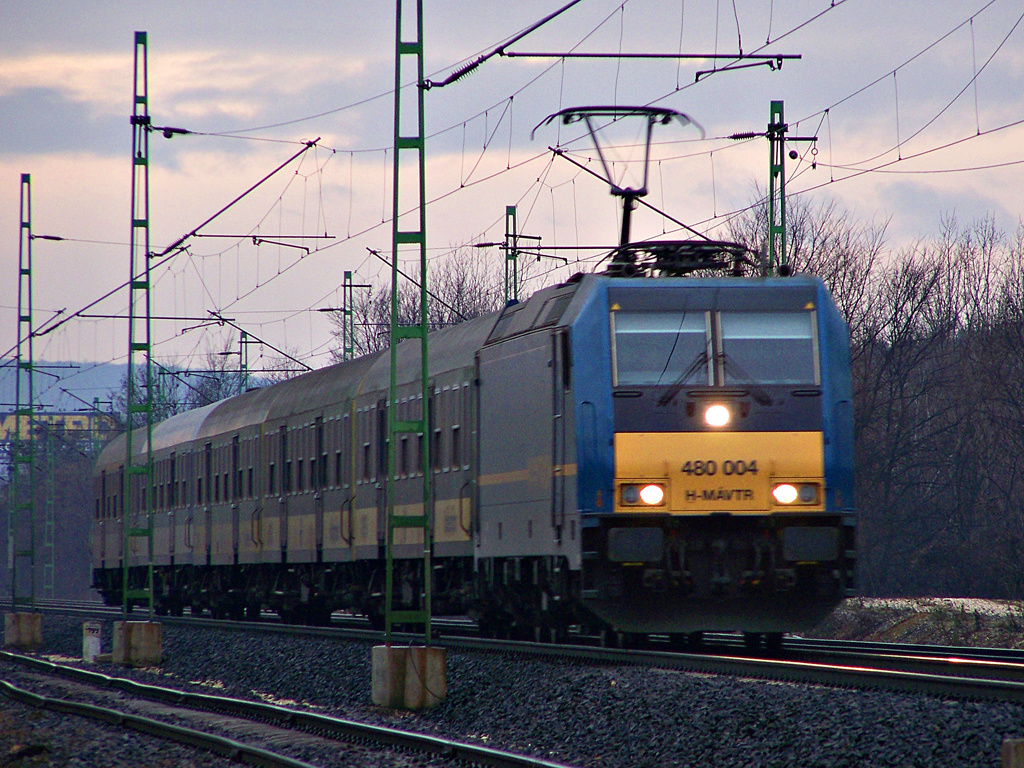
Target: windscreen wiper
[[744, 378], [670, 394]]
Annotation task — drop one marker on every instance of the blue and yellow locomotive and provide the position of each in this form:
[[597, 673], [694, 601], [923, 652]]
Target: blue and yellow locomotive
[[717, 493]]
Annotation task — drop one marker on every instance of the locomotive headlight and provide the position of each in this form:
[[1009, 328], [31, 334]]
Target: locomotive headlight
[[652, 495], [808, 494], [717, 416], [630, 494], [785, 493]]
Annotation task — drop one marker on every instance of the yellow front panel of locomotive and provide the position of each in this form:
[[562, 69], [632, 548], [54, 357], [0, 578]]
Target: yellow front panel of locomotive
[[707, 472]]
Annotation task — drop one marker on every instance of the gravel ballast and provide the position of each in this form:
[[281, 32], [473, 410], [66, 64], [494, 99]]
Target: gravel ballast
[[33, 737], [586, 715]]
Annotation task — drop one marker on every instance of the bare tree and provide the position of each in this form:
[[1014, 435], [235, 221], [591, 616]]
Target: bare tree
[[937, 350], [464, 286], [177, 388]]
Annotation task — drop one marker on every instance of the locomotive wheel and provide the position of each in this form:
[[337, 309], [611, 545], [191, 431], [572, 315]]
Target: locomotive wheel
[[773, 641], [556, 633], [688, 642], [376, 619], [484, 627], [626, 640], [752, 641]]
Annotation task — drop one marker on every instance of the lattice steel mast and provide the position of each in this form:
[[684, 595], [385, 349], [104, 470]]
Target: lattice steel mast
[[777, 189], [409, 143], [21, 531], [138, 490], [511, 255]]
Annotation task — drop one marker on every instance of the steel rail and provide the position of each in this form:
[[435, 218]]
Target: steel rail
[[283, 717], [219, 745], [956, 672]]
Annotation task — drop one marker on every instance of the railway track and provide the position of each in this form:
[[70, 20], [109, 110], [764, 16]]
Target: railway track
[[227, 726], [952, 672]]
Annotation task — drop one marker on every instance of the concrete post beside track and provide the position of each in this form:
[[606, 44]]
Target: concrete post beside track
[[409, 677], [1013, 753], [23, 631], [137, 643]]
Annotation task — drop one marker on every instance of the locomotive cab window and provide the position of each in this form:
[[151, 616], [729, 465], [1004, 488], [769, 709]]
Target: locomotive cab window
[[768, 348], [660, 348]]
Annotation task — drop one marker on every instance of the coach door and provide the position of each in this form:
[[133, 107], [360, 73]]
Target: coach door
[[236, 494], [285, 488], [317, 480], [382, 472], [172, 508], [560, 373], [208, 508], [347, 468]]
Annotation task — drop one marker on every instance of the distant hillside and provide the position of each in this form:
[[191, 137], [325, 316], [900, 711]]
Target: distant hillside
[[84, 382]]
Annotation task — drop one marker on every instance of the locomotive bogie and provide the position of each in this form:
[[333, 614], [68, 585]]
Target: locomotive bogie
[[681, 575]]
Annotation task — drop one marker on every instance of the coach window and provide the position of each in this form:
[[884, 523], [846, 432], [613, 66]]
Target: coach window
[[660, 348], [172, 484], [318, 459], [767, 348], [456, 448], [208, 470], [467, 420], [435, 450]]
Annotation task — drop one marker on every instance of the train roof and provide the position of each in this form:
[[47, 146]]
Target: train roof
[[452, 348]]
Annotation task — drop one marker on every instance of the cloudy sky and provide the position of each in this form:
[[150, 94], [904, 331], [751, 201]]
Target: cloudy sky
[[917, 107]]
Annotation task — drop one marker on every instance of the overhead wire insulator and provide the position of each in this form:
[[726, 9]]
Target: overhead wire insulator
[[455, 76]]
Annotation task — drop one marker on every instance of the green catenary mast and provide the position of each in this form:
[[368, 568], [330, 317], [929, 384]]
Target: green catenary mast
[[21, 532], [511, 255], [409, 152], [777, 189], [138, 487]]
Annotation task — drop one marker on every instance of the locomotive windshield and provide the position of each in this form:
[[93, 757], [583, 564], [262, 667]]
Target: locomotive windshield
[[767, 348], [654, 348], [671, 348]]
